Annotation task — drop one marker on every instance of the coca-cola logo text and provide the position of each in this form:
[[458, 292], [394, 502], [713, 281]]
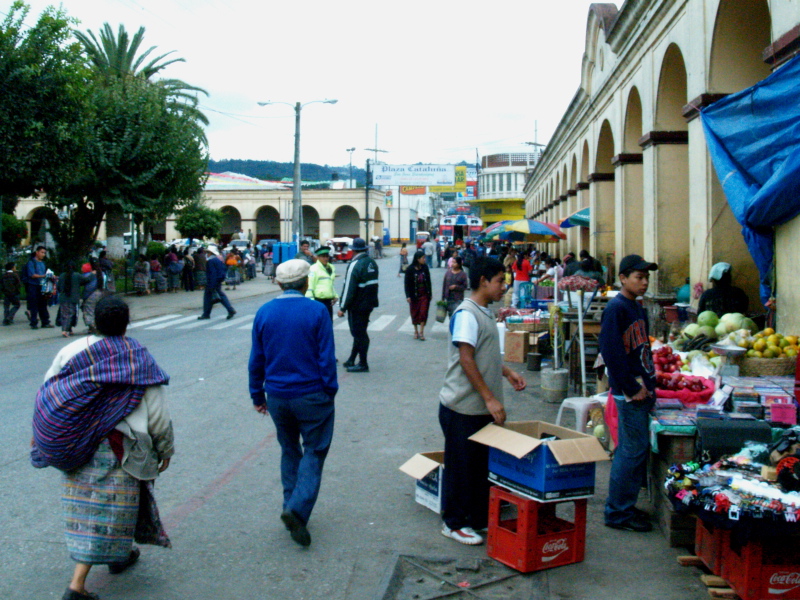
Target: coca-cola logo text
[[555, 546], [784, 578]]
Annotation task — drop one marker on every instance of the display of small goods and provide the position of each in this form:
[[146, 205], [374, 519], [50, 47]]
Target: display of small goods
[[521, 315], [759, 482], [576, 283]]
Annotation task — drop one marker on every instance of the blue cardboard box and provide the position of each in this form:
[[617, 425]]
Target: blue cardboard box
[[540, 460], [426, 468]]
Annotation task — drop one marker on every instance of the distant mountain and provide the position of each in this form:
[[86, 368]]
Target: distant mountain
[[275, 171]]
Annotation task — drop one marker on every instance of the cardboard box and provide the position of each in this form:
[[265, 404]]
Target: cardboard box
[[426, 468], [517, 346], [543, 470]]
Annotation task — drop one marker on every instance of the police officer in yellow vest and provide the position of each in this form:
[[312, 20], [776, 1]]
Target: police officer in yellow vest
[[320, 280]]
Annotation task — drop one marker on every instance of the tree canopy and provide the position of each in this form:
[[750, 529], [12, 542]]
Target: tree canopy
[[196, 220]]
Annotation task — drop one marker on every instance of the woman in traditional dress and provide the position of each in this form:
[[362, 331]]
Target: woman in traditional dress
[[157, 275], [403, 259], [453, 286], [110, 440], [69, 295], [418, 293], [268, 268], [200, 261], [141, 276], [173, 267], [92, 292]]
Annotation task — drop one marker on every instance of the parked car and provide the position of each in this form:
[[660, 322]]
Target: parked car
[[238, 244]]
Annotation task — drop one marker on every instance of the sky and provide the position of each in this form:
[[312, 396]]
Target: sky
[[440, 80]]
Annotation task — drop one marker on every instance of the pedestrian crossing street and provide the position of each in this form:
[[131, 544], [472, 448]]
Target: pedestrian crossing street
[[245, 322]]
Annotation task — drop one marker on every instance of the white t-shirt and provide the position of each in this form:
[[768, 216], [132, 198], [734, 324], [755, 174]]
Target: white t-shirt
[[464, 327]]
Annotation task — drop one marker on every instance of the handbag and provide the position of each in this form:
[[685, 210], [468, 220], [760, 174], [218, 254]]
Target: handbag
[[441, 313], [403, 268]]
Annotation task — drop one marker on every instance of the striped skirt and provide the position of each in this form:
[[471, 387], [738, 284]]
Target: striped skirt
[[200, 278], [101, 505], [161, 281], [68, 312]]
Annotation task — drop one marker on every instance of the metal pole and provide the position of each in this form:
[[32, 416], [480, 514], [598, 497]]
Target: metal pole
[[297, 200], [366, 203]]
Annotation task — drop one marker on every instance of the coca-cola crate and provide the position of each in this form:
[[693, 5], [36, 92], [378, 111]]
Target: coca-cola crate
[[530, 536], [709, 545], [763, 569]]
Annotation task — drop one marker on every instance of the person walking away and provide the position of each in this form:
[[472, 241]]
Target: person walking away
[[187, 276], [472, 397], [200, 259], [268, 266], [232, 262], [359, 298], [418, 293], [625, 347], [111, 443], [141, 276], [93, 290], [108, 271], [35, 273], [11, 286], [403, 259], [439, 252], [521, 268], [305, 252], [321, 278], [215, 275], [429, 249], [453, 286], [69, 295], [293, 378], [157, 275]]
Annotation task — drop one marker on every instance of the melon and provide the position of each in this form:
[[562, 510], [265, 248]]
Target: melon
[[708, 317], [691, 330], [707, 331]]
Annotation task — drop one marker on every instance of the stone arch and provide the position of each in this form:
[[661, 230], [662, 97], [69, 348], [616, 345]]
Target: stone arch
[[633, 122], [42, 221], [310, 222], [268, 223], [602, 197], [585, 162], [741, 32], [671, 92], [346, 222], [231, 223], [670, 148], [377, 220], [600, 19]]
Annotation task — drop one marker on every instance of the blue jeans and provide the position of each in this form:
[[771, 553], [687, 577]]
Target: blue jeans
[[208, 294], [308, 417], [629, 469]]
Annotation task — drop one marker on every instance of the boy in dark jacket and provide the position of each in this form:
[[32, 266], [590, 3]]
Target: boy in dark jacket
[[11, 285], [625, 346]]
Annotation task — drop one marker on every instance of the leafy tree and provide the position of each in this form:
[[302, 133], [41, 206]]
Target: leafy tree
[[14, 230], [197, 220], [42, 102]]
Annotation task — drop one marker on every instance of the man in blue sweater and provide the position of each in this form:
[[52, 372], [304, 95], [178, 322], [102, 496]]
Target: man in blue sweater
[[625, 346], [293, 379], [215, 275]]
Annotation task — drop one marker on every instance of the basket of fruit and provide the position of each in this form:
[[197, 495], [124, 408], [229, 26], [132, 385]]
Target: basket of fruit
[[769, 354]]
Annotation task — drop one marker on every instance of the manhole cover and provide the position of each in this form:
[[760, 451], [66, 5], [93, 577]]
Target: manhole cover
[[422, 578]]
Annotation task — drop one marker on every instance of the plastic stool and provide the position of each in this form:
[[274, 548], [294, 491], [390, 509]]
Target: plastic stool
[[581, 406]]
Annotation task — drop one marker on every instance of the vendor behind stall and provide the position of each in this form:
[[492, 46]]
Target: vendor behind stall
[[723, 297]]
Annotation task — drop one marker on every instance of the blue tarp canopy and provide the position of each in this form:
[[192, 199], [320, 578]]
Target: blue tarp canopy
[[753, 137]]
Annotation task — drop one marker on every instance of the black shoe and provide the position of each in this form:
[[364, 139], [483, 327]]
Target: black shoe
[[34, 326], [231, 315], [296, 528], [635, 523], [73, 595], [348, 363], [358, 369], [202, 318], [117, 568], [47, 325], [638, 512], [5, 323]]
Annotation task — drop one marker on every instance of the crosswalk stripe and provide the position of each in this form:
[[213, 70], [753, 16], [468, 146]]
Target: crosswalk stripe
[[151, 321], [407, 325], [237, 321], [171, 323], [198, 323], [381, 323], [248, 326], [342, 324]]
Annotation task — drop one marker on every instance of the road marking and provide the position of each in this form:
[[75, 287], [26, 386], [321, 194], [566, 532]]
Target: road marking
[[152, 321], [381, 323], [199, 323], [407, 326], [441, 327], [171, 323], [342, 325], [237, 321]]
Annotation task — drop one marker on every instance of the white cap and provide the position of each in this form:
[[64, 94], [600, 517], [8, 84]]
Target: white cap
[[292, 270]]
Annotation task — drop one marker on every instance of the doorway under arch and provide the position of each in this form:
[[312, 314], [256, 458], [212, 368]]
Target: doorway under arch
[[310, 222], [346, 222], [377, 220], [268, 223], [231, 223]]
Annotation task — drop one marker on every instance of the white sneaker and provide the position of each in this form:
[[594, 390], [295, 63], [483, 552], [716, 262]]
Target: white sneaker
[[465, 535]]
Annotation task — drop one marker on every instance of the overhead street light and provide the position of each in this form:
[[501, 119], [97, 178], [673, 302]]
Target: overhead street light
[[297, 200], [350, 181]]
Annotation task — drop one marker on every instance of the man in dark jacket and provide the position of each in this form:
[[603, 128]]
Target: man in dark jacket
[[215, 275], [358, 299]]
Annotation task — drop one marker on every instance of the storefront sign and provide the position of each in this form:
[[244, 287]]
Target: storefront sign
[[413, 190], [414, 175], [460, 184]]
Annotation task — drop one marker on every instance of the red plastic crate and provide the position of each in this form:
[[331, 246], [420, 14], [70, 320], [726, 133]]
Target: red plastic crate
[[534, 538], [709, 545], [764, 570]]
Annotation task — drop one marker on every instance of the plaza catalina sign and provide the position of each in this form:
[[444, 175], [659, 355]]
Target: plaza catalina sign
[[416, 175]]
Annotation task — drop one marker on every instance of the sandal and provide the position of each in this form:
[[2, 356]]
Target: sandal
[[422, 338], [416, 335]]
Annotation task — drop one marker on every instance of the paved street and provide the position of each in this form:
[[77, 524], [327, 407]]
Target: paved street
[[221, 496]]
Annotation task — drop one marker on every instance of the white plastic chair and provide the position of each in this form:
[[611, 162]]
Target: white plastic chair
[[581, 407]]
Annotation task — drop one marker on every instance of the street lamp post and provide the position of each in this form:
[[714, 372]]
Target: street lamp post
[[350, 181], [297, 199]]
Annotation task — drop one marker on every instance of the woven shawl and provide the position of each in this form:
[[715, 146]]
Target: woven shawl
[[77, 408]]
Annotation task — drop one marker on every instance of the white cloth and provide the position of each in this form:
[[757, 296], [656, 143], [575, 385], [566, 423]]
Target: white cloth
[[464, 327]]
